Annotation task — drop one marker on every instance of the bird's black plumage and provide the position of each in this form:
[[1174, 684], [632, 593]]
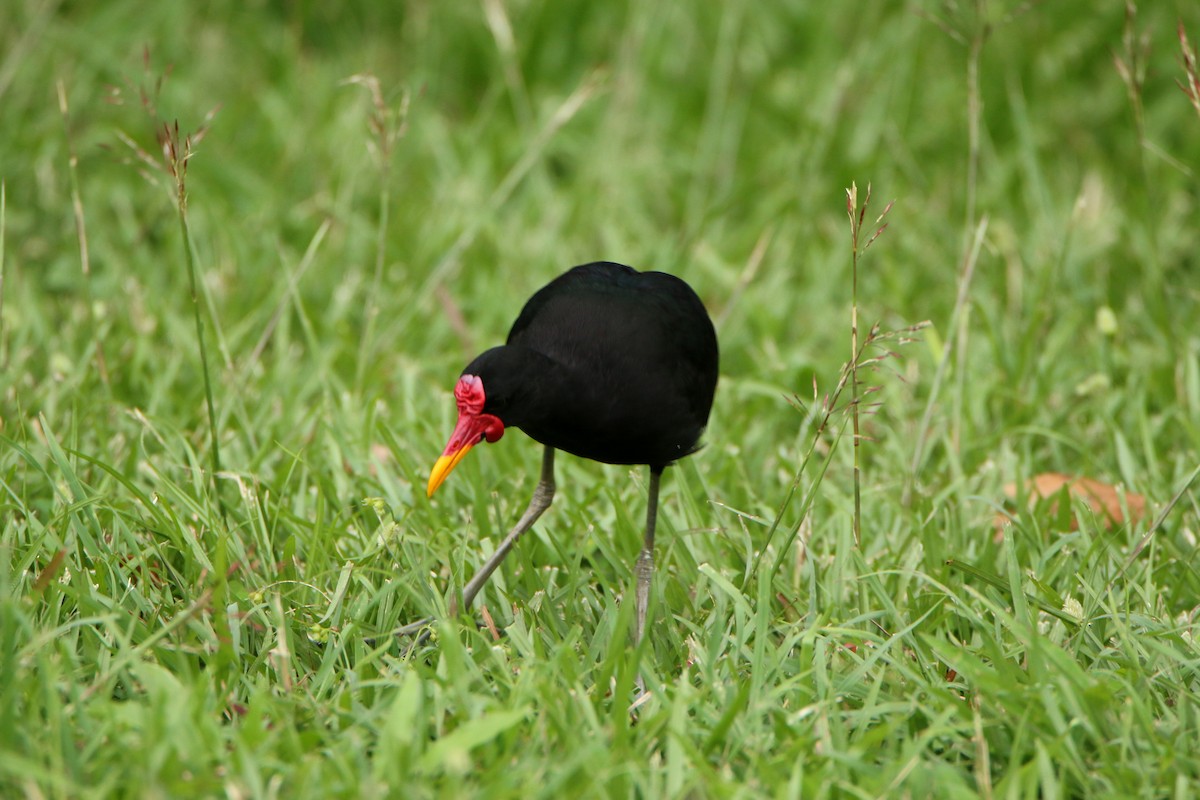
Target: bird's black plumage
[[607, 363], [604, 362]]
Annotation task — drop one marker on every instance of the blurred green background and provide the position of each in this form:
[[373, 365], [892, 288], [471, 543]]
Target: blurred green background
[[355, 249]]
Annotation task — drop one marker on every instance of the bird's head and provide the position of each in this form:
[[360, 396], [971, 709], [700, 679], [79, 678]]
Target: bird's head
[[473, 427]]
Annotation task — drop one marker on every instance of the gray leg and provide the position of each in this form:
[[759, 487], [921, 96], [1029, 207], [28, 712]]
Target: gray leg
[[542, 495], [540, 501], [645, 562]]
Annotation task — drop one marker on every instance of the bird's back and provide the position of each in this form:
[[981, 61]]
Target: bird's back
[[645, 352]]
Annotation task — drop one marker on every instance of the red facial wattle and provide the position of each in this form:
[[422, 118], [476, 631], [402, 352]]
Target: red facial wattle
[[473, 427]]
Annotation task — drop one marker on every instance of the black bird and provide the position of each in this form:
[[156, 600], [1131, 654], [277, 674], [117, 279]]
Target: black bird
[[605, 363]]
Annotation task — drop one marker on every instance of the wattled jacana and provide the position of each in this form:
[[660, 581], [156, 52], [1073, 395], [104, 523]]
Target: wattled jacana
[[605, 363]]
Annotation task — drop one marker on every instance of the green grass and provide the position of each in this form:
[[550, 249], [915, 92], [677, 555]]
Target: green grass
[[168, 632]]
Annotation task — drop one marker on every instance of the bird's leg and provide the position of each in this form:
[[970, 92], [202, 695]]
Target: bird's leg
[[540, 501], [645, 562]]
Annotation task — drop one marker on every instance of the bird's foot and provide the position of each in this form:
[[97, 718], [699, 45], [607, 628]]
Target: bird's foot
[[641, 696], [422, 629], [413, 627]]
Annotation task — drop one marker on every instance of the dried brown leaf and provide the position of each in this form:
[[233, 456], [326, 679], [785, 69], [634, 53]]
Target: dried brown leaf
[[1103, 498]]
